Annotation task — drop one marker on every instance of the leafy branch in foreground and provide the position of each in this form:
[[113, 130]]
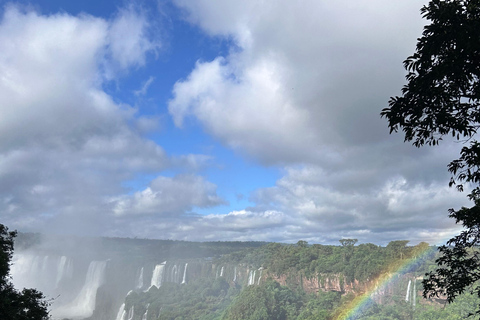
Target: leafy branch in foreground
[[442, 97]]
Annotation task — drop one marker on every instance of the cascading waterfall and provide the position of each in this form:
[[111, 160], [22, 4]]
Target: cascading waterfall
[[235, 274], [221, 272], [139, 284], [407, 296], [121, 313], [64, 270], [157, 275], [260, 277], [184, 280], [414, 295], [251, 278], [173, 277], [44, 263], [131, 313], [35, 263], [84, 304], [144, 317]]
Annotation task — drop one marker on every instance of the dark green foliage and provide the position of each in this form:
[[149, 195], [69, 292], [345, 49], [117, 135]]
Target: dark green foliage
[[200, 299], [269, 301], [443, 91], [215, 298], [442, 97], [320, 307], [27, 304]]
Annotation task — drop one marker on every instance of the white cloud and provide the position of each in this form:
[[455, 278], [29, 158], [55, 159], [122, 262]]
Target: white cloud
[[128, 39], [169, 197], [306, 80], [143, 90], [65, 145], [302, 87]]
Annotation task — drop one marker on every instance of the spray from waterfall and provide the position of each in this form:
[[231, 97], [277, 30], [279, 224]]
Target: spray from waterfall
[[64, 270], [84, 304]]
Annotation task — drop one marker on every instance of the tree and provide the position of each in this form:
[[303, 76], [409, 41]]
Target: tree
[[396, 249], [348, 242], [28, 304], [442, 97], [348, 248]]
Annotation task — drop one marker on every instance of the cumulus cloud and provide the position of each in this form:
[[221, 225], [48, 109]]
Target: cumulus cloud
[[128, 40], [397, 209], [169, 197], [302, 88], [65, 145], [305, 79]]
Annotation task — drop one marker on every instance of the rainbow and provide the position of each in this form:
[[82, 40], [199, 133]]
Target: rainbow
[[355, 308]]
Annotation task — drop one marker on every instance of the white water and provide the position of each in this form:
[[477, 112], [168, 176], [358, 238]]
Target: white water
[[235, 274], [260, 277], [64, 270], [221, 272], [407, 296], [131, 313], [50, 274], [184, 280], [121, 313], [84, 304], [251, 278], [414, 297], [144, 317], [157, 275], [139, 284]]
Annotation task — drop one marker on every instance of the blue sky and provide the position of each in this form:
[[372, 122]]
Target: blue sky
[[214, 120]]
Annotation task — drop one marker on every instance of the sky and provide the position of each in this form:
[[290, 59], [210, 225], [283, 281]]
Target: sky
[[215, 121]]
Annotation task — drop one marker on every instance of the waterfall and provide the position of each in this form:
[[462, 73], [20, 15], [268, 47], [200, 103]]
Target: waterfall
[[121, 313], [407, 296], [84, 304], [139, 284], [260, 277], [414, 296], [251, 278], [173, 276], [221, 272], [35, 263], [131, 313], [144, 317], [64, 270], [44, 263], [157, 275], [235, 274], [184, 280]]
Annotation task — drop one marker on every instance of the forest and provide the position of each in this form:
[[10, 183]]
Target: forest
[[302, 281], [248, 280]]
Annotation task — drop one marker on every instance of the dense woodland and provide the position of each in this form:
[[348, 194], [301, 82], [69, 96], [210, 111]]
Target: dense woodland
[[280, 291], [221, 299]]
